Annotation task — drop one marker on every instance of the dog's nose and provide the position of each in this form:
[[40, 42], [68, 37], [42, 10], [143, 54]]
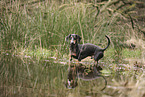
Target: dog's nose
[[72, 42]]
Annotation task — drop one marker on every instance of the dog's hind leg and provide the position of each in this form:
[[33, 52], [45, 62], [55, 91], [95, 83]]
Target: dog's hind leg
[[98, 56]]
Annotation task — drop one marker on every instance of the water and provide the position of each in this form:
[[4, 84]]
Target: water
[[27, 77]]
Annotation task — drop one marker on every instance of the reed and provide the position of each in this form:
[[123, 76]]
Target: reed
[[30, 25]]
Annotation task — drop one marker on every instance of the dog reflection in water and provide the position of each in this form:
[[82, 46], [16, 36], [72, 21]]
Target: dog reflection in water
[[82, 72]]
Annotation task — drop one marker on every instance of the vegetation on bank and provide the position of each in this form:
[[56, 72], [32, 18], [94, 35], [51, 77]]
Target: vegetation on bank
[[32, 27]]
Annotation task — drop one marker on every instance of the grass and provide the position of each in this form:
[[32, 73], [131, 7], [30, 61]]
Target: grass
[[39, 29], [38, 53], [132, 53]]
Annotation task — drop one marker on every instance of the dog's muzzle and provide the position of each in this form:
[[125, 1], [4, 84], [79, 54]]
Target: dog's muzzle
[[72, 42]]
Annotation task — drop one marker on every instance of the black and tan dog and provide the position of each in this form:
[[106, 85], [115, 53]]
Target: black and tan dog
[[81, 51]]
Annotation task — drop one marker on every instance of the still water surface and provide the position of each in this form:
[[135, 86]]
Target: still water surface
[[27, 77]]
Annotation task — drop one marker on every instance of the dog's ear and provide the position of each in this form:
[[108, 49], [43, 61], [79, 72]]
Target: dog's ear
[[78, 38], [67, 37]]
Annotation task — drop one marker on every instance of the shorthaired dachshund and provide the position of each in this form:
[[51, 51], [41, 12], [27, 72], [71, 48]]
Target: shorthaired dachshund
[[81, 51]]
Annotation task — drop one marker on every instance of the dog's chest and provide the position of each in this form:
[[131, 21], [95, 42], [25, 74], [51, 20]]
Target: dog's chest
[[74, 48]]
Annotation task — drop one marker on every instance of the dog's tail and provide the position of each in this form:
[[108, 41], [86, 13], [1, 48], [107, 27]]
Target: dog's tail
[[108, 43]]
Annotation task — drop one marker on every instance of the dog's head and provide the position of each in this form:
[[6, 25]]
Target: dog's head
[[74, 38]]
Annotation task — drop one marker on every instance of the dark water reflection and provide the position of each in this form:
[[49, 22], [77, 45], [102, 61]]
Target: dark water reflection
[[27, 77], [80, 71]]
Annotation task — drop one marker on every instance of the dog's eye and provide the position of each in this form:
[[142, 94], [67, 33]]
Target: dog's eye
[[75, 37]]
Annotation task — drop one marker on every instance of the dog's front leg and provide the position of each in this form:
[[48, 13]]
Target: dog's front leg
[[70, 57], [79, 57]]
